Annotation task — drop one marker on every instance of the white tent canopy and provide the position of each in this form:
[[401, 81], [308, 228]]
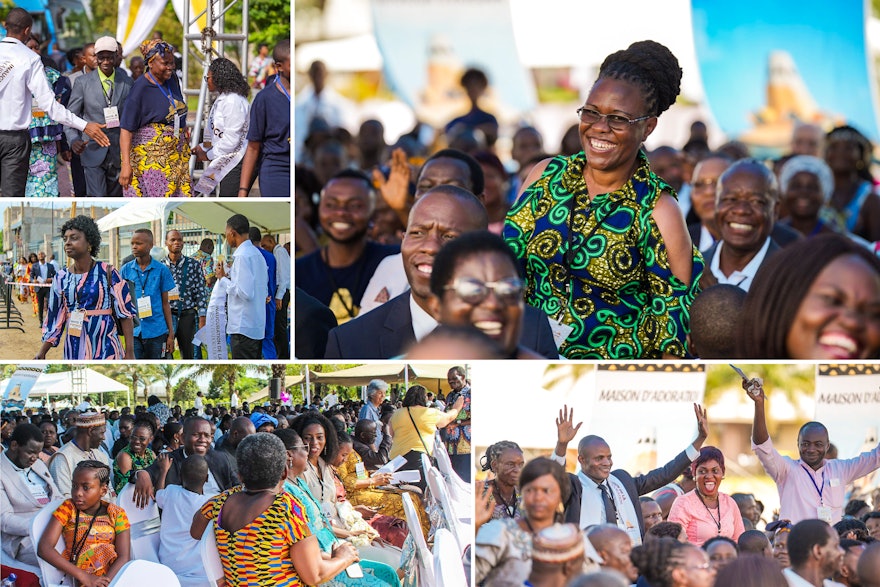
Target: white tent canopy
[[269, 216], [85, 382]]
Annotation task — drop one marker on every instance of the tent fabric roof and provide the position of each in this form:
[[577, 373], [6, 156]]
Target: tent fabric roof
[[268, 216], [55, 384]]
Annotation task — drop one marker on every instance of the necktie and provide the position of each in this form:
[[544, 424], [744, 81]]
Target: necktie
[[109, 84], [610, 510]]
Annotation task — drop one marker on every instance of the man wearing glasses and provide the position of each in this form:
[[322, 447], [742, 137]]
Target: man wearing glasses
[[811, 486], [100, 95]]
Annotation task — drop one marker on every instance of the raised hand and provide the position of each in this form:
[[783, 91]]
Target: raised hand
[[395, 190], [565, 428], [702, 425], [485, 503]]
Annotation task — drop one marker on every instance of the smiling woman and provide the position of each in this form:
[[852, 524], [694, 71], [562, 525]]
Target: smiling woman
[[600, 238]]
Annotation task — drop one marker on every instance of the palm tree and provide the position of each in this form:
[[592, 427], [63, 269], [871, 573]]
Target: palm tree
[[169, 372], [133, 373], [228, 373]]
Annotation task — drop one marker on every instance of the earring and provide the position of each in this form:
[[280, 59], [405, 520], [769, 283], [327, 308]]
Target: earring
[[560, 509]]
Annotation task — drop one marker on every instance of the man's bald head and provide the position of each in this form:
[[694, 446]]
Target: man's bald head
[[754, 542], [615, 548], [605, 536], [479, 218], [241, 427], [869, 566]]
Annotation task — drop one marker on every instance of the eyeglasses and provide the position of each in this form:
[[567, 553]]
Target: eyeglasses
[[302, 447], [474, 291], [702, 567], [110, 57], [614, 121]]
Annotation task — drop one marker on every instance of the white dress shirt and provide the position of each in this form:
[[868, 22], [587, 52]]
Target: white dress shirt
[[282, 271], [390, 276], [247, 293], [422, 322], [227, 125], [23, 81], [741, 279]]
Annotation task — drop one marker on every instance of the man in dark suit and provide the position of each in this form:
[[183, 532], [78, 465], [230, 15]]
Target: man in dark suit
[[197, 437], [44, 272], [312, 320], [746, 203], [100, 95], [603, 489], [441, 214]]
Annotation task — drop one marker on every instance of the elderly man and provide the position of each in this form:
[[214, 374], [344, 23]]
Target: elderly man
[[375, 396], [86, 445], [600, 495], [811, 486], [100, 95], [25, 487], [364, 442], [456, 436], [614, 546], [746, 203], [815, 554]]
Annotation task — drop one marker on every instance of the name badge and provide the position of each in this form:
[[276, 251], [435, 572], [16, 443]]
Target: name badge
[[824, 513], [174, 294], [560, 332], [834, 482], [176, 126], [361, 471], [145, 308], [111, 117], [75, 322]]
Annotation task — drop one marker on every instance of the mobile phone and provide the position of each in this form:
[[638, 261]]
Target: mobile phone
[[354, 571]]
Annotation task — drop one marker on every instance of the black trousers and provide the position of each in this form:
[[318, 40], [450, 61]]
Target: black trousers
[[282, 340], [246, 348], [42, 297], [78, 176], [15, 153], [185, 327]]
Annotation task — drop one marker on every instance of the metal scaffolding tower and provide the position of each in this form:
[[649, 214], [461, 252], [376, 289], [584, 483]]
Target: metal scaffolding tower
[[204, 46]]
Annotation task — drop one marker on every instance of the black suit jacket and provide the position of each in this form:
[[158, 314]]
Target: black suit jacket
[[708, 279], [387, 332], [781, 234], [312, 320], [635, 486], [219, 463]]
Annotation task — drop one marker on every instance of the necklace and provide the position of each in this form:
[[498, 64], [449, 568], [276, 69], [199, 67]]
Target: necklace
[[529, 524], [718, 521], [510, 508]]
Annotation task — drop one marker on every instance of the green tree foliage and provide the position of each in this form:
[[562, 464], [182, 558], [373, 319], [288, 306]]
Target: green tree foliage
[[185, 390], [269, 21]]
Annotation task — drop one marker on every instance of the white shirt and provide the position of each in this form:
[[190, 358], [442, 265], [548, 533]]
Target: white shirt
[[282, 271], [706, 239], [22, 82], [422, 322], [233, 400], [389, 274], [593, 506], [177, 549], [247, 293], [741, 279], [199, 405], [329, 105], [227, 125], [795, 580]]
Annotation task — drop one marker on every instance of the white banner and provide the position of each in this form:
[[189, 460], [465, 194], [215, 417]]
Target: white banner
[[21, 383], [213, 335]]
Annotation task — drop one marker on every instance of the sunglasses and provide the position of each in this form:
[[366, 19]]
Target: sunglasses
[[473, 291]]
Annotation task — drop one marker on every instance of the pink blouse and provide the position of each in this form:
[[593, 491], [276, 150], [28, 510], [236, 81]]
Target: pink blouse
[[701, 525]]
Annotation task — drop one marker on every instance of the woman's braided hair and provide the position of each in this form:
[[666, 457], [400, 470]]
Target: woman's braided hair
[[656, 559], [652, 67], [494, 451]]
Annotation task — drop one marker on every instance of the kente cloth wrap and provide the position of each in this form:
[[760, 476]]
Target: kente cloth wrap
[[616, 289]]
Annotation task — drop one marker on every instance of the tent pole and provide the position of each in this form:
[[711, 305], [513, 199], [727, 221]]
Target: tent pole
[[308, 391]]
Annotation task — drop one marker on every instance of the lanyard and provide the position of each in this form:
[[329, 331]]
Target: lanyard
[[143, 278], [161, 87], [104, 89], [81, 285], [78, 546], [281, 86], [819, 488]]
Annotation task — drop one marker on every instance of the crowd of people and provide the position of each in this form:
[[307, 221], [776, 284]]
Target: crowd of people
[[673, 526], [297, 494], [147, 307], [137, 141], [623, 252]]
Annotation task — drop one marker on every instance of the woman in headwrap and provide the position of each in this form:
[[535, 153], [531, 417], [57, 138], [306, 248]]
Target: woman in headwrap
[[154, 138]]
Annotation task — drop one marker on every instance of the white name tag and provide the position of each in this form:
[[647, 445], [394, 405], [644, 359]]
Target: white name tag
[[361, 471], [145, 308], [834, 482], [176, 126], [174, 294], [111, 117], [824, 513], [560, 332], [75, 323]]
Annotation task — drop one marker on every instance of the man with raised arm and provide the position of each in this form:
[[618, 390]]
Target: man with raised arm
[[811, 486], [600, 495]]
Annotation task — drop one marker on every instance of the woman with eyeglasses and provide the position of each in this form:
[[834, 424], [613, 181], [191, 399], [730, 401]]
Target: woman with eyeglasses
[[318, 522], [413, 428], [225, 137], [665, 562], [600, 238], [153, 137], [475, 281], [705, 512], [136, 455]]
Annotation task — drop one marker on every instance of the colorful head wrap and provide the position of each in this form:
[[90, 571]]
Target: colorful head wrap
[[150, 49]]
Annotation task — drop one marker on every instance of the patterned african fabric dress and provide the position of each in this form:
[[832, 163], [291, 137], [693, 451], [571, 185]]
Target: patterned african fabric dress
[[258, 555], [601, 267], [375, 574], [98, 534], [42, 181], [99, 338], [120, 480]]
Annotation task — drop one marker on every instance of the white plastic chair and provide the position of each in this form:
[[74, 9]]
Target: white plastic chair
[[424, 558], [211, 558], [448, 567], [450, 510], [144, 526], [141, 573], [51, 577], [461, 491]]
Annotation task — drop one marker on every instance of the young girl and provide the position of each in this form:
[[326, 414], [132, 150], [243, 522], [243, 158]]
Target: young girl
[[96, 532]]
